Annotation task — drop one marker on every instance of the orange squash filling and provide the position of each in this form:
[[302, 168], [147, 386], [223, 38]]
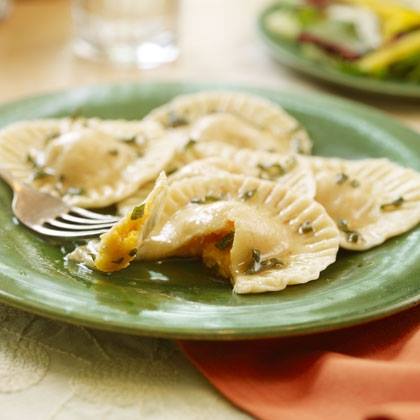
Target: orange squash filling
[[213, 248]]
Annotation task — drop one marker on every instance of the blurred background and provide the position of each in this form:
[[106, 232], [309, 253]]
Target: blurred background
[[217, 41]]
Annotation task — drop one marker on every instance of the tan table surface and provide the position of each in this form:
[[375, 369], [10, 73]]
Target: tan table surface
[[49, 370]]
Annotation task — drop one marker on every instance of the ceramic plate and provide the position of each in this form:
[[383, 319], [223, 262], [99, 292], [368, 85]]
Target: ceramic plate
[[179, 298], [287, 53]]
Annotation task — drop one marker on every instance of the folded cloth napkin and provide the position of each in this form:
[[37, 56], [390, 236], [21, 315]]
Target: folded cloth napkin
[[369, 372]]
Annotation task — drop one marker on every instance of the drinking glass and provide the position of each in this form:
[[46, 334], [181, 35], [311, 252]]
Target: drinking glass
[[131, 32], [4, 8]]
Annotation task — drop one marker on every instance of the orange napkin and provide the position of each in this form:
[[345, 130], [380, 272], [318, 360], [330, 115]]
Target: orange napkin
[[370, 372]]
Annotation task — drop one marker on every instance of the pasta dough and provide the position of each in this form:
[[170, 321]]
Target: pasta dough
[[209, 158], [237, 192], [371, 200], [87, 164], [240, 119], [277, 238], [118, 247]]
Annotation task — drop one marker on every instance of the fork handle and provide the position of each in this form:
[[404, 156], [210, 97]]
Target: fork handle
[[7, 176]]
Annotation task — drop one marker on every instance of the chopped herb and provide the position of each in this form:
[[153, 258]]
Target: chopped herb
[[133, 252], [76, 114], [31, 160], [226, 242], [343, 225], [191, 143], [119, 261], [290, 163], [206, 200], [257, 265], [297, 145], [113, 152], [246, 195], [256, 255], [51, 136], [341, 178], [351, 235], [393, 205], [271, 171], [138, 212], [130, 140], [41, 174], [174, 120], [305, 228], [93, 257], [271, 263], [75, 191]]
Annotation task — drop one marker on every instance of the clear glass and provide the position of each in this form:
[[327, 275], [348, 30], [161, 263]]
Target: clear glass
[[4, 8], [130, 32]]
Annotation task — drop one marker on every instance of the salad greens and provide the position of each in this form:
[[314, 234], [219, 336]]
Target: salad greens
[[373, 38]]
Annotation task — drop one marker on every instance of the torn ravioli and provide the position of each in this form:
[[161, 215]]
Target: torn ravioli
[[118, 247], [256, 233]]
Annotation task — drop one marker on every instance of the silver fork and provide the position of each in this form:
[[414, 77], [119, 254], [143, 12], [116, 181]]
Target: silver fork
[[51, 216]]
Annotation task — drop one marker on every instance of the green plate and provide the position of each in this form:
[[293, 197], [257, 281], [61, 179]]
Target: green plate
[[288, 53], [179, 298]]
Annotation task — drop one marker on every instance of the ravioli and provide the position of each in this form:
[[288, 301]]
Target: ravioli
[[200, 167], [118, 247], [211, 158], [371, 200], [82, 159], [240, 119], [238, 193], [137, 132], [259, 235], [288, 170], [230, 129], [86, 164]]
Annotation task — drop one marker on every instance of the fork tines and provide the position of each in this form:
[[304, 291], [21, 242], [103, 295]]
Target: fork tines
[[78, 223]]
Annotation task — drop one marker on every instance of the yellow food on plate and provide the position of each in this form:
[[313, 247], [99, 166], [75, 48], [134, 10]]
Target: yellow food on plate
[[394, 16], [398, 50]]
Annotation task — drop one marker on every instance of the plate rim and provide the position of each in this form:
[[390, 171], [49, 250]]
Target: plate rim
[[190, 332], [328, 74], [211, 335]]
